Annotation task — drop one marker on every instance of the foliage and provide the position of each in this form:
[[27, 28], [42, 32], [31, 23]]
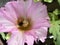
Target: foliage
[[59, 1], [55, 26], [49, 1]]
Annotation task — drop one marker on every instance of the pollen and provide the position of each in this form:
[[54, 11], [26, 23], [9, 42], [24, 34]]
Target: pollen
[[24, 24]]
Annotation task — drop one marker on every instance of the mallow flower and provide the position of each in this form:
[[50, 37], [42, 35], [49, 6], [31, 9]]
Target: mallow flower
[[25, 21]]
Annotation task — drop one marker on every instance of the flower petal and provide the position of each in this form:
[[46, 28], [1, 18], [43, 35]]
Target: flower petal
[[39, 33], [26, 3], [16, 39], [38, 14], [41, 23], [5, 25], [19, 8], [37, 10], [42, 33], [9, 7], [4, 14], [29, 39]]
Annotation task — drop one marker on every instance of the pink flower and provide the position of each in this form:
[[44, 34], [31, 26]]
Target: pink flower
[[26, 21]]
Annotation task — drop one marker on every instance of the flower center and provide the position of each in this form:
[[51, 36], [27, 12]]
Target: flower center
[[24, 24]]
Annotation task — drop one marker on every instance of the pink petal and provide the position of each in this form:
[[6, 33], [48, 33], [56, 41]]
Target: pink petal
[[26, 3], [42, 39], [41, 23], [5, 14], [37, 11], [19, 8], [32, 33], [38, 14], [29, 40], [42, 33], [6, 29], [9, 7], [16, 39], [5, 25]]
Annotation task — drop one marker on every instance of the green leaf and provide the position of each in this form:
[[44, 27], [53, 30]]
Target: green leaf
[[59, 2], [54, 29], [58, 22], [3, 35], [49, 1], [58, 39], [59, 11], [56, 11], [54, 15], [37, 0], [7, 36]]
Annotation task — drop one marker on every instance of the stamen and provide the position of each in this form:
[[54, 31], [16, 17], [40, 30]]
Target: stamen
[[24, 24]]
